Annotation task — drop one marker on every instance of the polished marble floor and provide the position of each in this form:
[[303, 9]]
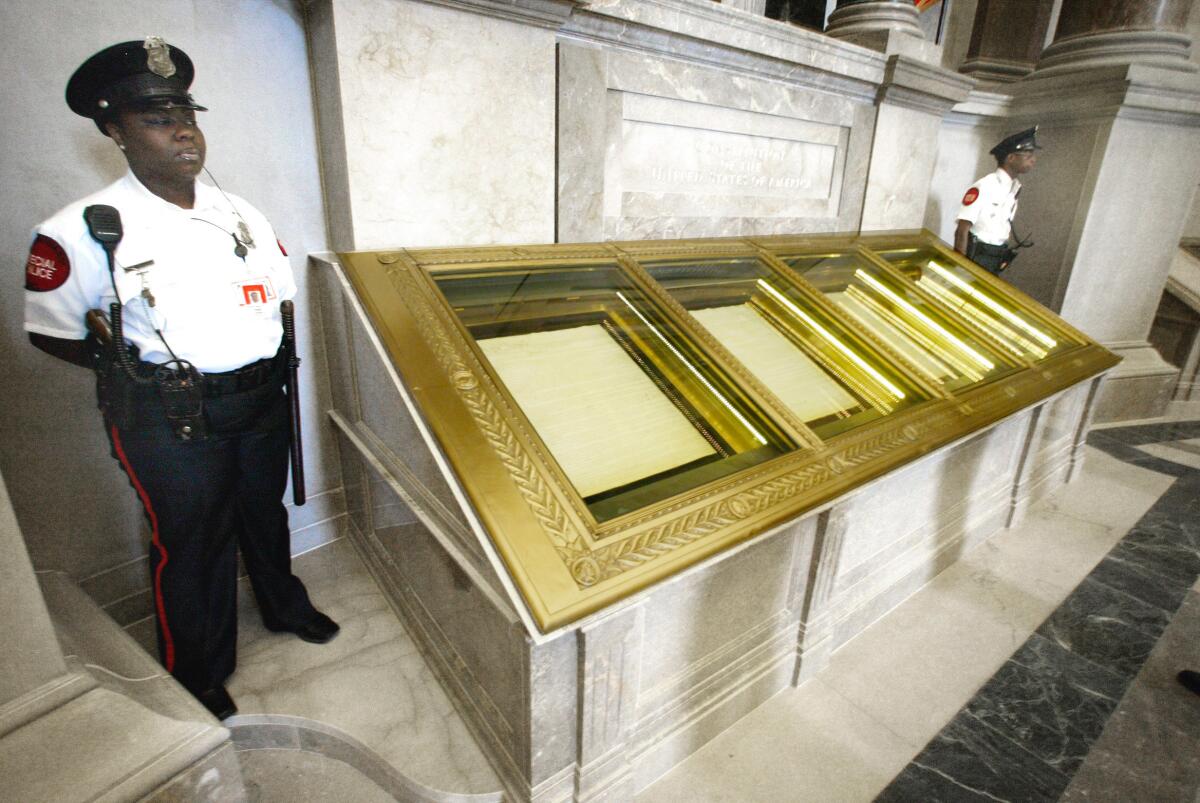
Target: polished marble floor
[[1040, 665]]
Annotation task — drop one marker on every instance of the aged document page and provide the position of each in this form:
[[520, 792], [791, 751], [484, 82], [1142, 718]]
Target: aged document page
[[895, 337], [781, 366], [604, 420]]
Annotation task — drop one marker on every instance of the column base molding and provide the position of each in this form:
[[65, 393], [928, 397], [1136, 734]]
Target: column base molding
[[1161, 48], [1139, 388], [877, 16]]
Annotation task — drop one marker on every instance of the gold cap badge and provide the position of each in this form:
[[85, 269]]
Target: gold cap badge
[[158, 57]]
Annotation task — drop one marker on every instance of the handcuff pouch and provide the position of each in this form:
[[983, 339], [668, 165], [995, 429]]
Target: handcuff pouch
[[181, 392]]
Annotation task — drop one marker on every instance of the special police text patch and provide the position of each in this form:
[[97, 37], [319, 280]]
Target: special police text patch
[[48, 267], [970, 197]]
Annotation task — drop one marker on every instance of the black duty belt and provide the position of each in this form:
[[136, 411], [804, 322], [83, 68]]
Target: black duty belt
[[247, 377], [987, 249]]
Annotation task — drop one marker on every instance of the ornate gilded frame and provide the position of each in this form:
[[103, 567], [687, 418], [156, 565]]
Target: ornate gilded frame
[[564, 563]]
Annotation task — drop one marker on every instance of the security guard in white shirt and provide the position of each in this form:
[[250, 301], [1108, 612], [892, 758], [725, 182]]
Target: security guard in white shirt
[[191, 379], [988, 207]]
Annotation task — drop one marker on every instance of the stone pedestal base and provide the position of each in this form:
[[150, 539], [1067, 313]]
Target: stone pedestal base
[[1140, 387]]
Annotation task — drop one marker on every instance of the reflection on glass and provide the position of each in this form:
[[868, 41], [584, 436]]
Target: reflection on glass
[[632, 412], [902, 318], [825, 375], [955, 286]]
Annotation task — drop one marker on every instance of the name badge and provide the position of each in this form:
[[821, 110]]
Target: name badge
[[255, 293]]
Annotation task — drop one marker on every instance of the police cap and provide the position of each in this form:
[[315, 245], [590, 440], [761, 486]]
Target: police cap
[[1016, 143], [132, 75]]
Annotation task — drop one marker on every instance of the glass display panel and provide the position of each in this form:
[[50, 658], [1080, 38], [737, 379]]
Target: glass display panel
[[1016, 330], [823, 373], [901, 317], [632, 412]]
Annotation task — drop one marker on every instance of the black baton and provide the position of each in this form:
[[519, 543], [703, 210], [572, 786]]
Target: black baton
[[295, 446]]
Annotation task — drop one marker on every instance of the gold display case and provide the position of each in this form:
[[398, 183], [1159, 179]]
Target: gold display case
[[616, 412]]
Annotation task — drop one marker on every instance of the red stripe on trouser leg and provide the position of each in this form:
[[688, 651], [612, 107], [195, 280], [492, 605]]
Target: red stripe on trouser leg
[[168, 643]]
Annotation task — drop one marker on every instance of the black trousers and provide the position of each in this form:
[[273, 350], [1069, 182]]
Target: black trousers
[[203, 500]]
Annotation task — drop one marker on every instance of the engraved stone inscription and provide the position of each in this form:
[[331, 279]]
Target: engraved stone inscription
[[676, 159], [665, 158]]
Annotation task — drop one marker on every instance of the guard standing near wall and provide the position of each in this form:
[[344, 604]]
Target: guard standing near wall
[[190, 369], [989, 205]]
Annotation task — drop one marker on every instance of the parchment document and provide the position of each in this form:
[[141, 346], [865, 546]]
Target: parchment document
[[776, 361], [604, 420]]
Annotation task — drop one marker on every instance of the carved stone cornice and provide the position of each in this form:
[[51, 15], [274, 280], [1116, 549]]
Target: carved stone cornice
[[1130, 91], [711, 34], [1136, 91], [916, 85], [539, 13], [996, 70]]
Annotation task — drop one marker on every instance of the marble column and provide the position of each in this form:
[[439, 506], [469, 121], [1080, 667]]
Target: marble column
[[1119, 109], [1094, 33], [1007, 38], [889, 26]]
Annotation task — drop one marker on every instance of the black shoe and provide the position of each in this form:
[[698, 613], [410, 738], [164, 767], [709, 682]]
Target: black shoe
[[320, 629], [218, 702], [1190, 680]]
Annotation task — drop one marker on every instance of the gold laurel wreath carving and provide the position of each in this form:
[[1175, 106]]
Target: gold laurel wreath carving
[[499, 435], [631, 552]]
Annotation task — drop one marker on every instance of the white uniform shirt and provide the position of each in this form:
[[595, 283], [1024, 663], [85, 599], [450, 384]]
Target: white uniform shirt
[[990, 205], [215, 309]]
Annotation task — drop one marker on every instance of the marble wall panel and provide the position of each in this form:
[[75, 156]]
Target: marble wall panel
[[448, 120], [337, 331], [489, 645], [1058, 423], [661, 750], [893, 516], [650, 147], [385, 415], [1049, 457], [962, 157], [480, 654], [902, 165], [743, 599], [699, 674], [355, 479], [583, 110]]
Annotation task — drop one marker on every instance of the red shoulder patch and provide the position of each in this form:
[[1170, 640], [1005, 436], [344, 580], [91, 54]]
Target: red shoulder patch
[[970, 197], [281, 247], [47, 267]]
